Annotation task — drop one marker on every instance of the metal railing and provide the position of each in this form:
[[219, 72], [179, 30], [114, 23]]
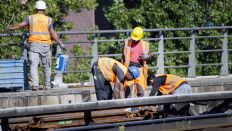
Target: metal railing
[[161, 38], [15, 112], [113, 104]]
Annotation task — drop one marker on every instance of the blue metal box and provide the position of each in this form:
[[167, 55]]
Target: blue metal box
[[12, 75]]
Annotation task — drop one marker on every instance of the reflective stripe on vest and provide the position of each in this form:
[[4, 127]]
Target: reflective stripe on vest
[[127, 47], [171, 83], [39, 29], [106, 67]]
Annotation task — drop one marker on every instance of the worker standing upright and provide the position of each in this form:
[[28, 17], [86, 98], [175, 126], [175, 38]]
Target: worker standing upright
[[136, 53], [41, 30]]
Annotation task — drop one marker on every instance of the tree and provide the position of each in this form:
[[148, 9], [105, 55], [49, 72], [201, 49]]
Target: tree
[[15, 11], [152, 14]]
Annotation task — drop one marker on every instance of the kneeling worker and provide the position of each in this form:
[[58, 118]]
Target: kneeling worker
[[169, 84], [108, 70]]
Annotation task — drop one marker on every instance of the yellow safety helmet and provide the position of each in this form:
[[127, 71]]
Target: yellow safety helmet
[[137, 33]]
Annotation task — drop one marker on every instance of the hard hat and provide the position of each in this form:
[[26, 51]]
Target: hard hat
[[137, 33], [134, 71], [40, 4]]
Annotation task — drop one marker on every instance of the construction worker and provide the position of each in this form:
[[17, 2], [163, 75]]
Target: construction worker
[[135, 53], [41, 30], [108, 70], [169, 84]]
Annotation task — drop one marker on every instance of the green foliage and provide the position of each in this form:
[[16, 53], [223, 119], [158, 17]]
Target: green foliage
[[15, 11], [78, 64], [153, 14]]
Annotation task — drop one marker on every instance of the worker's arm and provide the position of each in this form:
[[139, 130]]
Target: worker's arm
[[19, 25], [56, 38], [120, 80], [156, 85], [145, 56]]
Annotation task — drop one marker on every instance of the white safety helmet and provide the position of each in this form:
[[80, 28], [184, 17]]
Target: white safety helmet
[[40, 4]]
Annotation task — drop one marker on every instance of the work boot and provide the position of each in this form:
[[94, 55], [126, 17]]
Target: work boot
[[40, 88], [34, 88]]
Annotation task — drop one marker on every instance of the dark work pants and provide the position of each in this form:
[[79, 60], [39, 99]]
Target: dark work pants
[[103, 88]]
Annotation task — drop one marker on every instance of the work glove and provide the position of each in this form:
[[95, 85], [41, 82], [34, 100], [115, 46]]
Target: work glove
[[62, 46], [143, 57], [9, 32]]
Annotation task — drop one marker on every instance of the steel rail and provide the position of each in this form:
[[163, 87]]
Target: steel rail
[[181, 123], [111, 104]]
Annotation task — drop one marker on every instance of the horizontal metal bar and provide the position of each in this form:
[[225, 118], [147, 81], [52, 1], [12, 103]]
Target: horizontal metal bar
[[176, 38], [80, 71], [211, 36], [188, 123], [128, 30], [3, 45], [110, 104], [86, 56], [176, 52], [213, 50], [153, 68], [74, 57], [180, 66], [154, 53], [210, 64], [77, 42], [110, 55]]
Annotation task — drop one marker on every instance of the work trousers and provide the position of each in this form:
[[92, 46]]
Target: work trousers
[[103, 88], [180, 109], [37, 53]]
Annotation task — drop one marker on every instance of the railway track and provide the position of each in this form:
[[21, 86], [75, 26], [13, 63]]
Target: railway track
[[109, 115], [207, 122], [119, 119], [59, 121]]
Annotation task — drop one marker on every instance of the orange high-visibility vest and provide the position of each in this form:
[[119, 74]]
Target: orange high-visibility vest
[[106, 67], [38, 28], [171, 83], [127, 48]]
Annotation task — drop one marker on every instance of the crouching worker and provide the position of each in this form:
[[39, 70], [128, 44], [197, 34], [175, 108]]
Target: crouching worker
[[169, 84], [108, 70]]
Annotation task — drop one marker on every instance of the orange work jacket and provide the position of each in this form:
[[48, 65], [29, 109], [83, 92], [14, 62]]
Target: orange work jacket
[[106, 67], [126, 52], [39, 28], [171, 83]]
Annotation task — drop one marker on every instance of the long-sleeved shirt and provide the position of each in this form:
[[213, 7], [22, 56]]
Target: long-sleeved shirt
[[119, 73], [160, 80]]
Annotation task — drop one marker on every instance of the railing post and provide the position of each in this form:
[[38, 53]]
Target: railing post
[[224, 57], [5, 124], [160, 61], [94, 53], [192, 64], [24, 51]]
